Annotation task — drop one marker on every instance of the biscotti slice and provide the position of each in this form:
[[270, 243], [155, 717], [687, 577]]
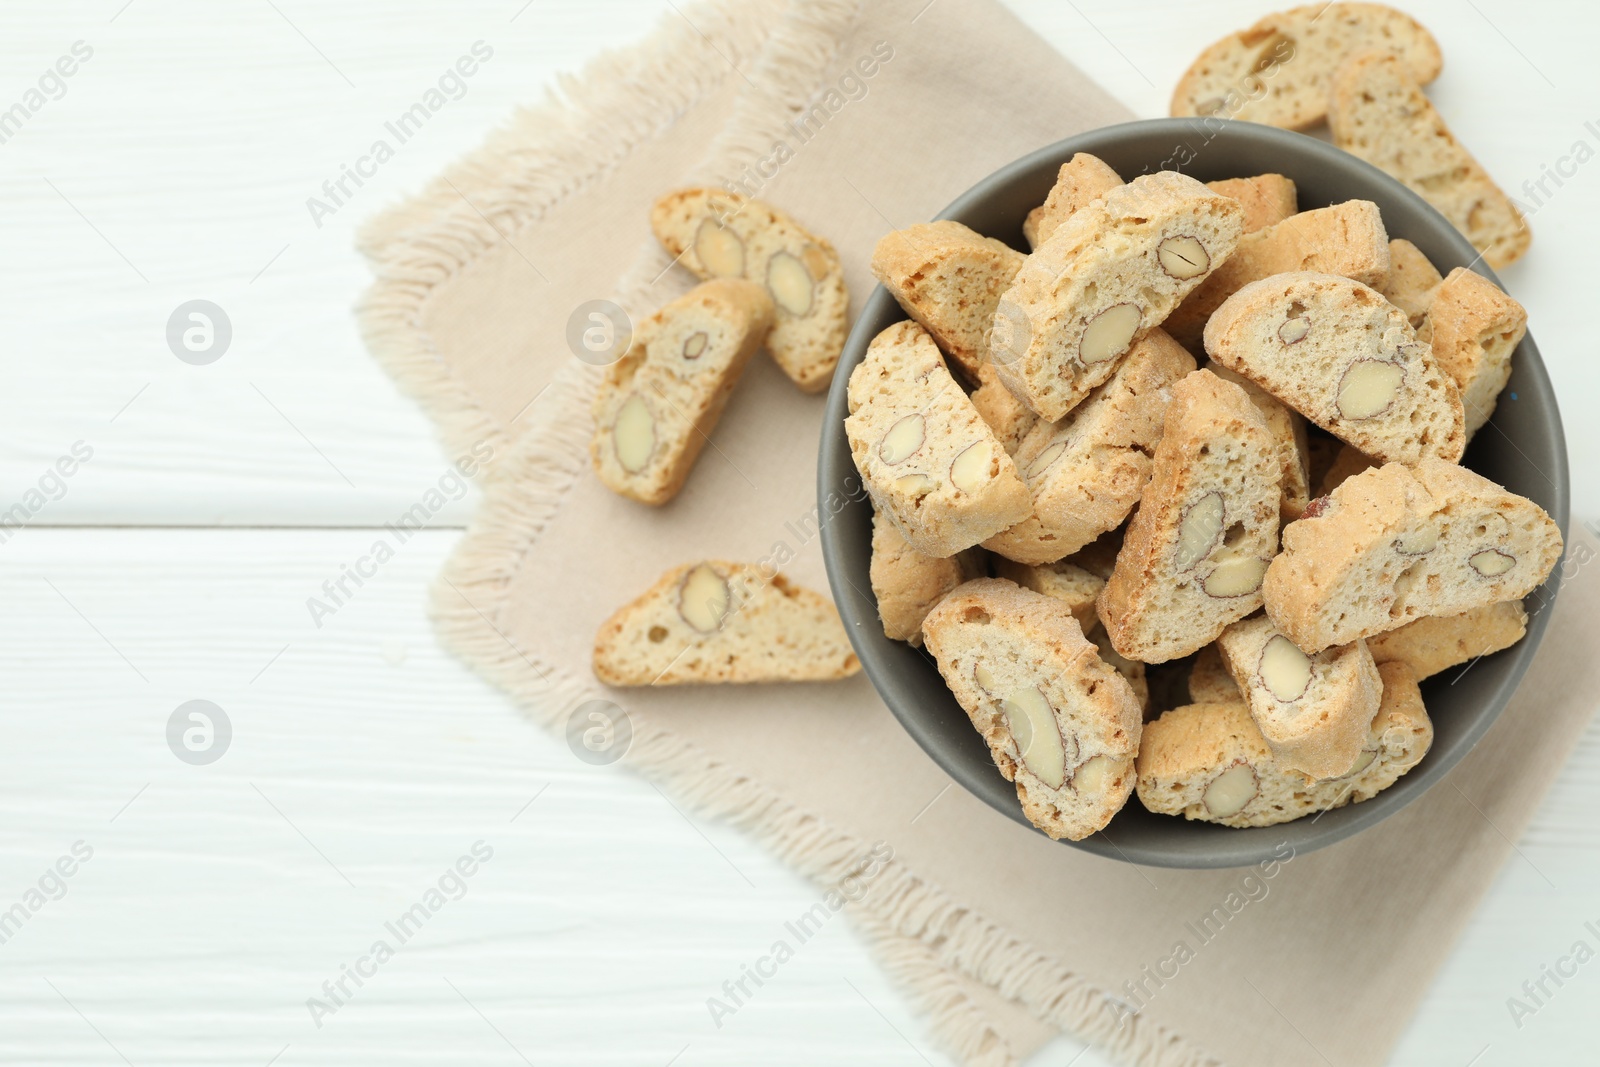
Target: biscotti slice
[[1267, 199], [949, 278], [1196, 549], [1008, 417], [1347, 463], [1473, 327], [1132, 670], [1313, 710], [1081, 179], [1346, 239], [718, 234], [1085, 473], [1277, 72], [1209, 762], [657, 405], [1067, 582], [927, 459], [1411, 282], [1209, 680], [1344, 357], [1437, 643], [1060, 723], [721, 622], [1397, 543], [1107, 275], [1289, 428], [908, 584], [1378, 111]]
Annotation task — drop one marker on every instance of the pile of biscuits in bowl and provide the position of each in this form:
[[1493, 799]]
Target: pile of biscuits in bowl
[[1175, 500]]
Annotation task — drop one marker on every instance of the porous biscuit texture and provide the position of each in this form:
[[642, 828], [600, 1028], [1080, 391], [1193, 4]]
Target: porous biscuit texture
[[1081, 179], [1085, 473], [1267, 199], [1195, 552], [908, 584], [1347, 239], [1209, 762], [1411, 282], [718, 234], [722, 622], [1344, 357], [1378, 111], [1436, 643], [1278, 71], [1473, 328], [657, 405], [1289, 428], [1312, 710], [1060, 723], [1115, 269], [1397, 543], [927, 459], [949, 278]]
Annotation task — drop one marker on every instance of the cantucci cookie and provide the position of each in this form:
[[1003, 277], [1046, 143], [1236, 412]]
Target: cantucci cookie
[[1194, 554], [1313, 710], [1473, 327], [1209, 680], [1107, 275], [1347, 463], [658, 404], [1060, 723], [1081, 179], [1344, 357], [1130, 669], [1396, 543], [1008, 417], [1411, 282], [718, 234], [1267, 199], [1278, 71], [1209, 762], [1437, 643], [1085, 473], [1346, 239], [908, 584], [1378, 111], [721, 622], [929, 462], [1066, 581], [1289, 428], [949, 279]]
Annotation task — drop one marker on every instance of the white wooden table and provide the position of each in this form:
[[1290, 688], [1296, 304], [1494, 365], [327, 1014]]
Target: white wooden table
[[174, 565]]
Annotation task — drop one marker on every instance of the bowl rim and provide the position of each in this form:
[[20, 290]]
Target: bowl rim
[[1241, 847]]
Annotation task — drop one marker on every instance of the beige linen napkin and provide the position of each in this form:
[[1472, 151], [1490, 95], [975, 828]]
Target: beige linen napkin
[[1002, 935]]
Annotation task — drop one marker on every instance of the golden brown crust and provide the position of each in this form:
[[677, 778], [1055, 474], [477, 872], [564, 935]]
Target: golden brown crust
[[1267, 199], [949, 279], [1474, 329], [1081, 179], [1434, 643], [908, 584]]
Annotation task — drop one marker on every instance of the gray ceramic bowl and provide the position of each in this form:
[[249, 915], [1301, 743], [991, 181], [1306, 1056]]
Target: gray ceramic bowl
[[1522, 449]]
